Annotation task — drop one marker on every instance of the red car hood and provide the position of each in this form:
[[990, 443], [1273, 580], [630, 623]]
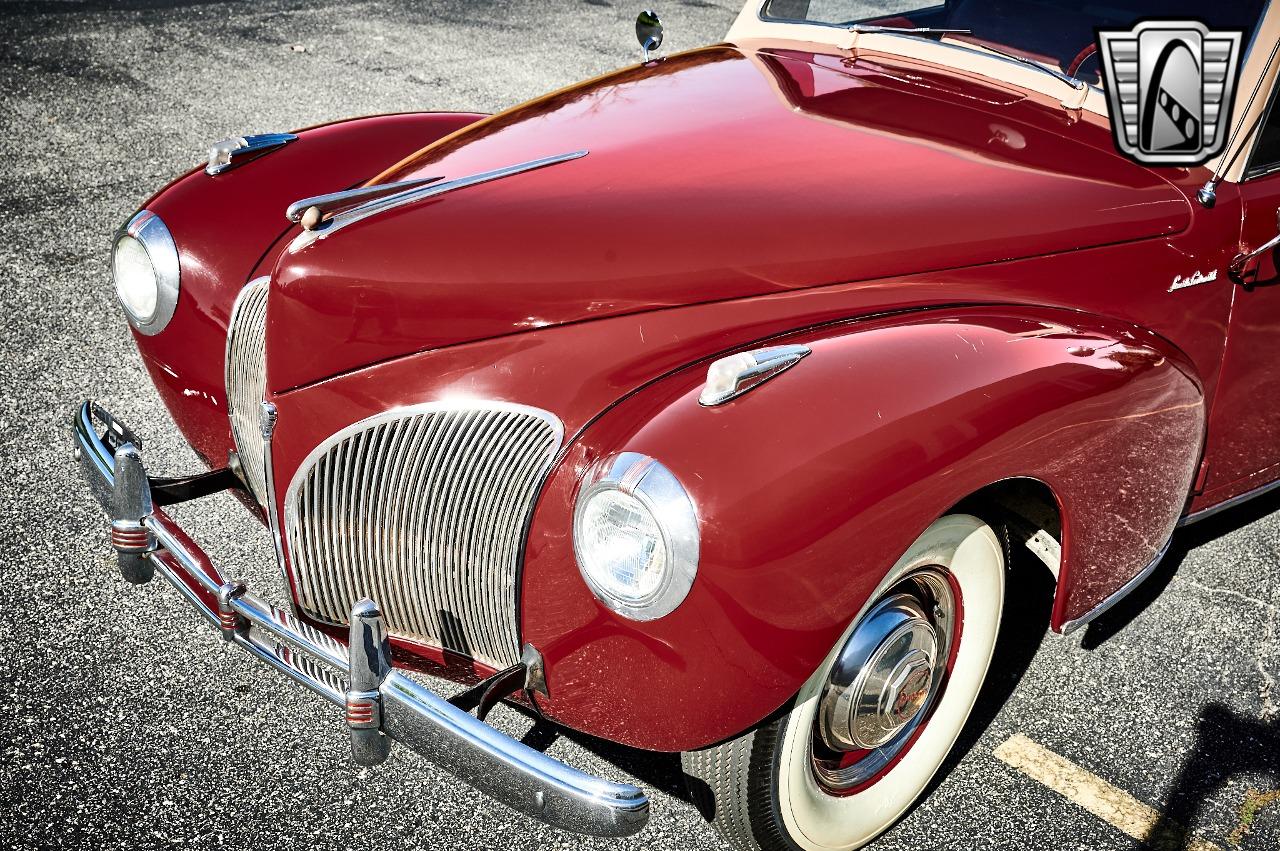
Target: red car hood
[[718, 174]]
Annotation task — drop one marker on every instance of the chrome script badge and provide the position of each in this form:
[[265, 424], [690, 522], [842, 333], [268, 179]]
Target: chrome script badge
[[1170, 86], [1180, 283]]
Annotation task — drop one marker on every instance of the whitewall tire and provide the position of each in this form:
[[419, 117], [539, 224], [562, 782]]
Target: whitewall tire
[[764, 789]]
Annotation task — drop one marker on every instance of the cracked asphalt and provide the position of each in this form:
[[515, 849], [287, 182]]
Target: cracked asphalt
[[128, 724]]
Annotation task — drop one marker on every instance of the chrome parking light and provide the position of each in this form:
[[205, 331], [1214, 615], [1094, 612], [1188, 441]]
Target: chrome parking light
[[730, 377]]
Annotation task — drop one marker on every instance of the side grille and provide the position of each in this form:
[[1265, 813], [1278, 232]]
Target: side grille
[[423, 509], [247, 381]]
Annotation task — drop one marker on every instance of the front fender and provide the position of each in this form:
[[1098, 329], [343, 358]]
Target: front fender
[[811, 486]]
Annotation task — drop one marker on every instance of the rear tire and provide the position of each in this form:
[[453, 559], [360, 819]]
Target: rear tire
[[762, 790]]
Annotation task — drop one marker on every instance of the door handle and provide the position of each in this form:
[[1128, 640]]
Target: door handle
[[1240, 271]]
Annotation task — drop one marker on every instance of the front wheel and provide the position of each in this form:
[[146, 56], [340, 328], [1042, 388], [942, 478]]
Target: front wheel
[[873, 724]]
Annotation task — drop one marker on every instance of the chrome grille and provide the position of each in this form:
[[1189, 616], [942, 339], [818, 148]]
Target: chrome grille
[[423, 509], [246, 376]]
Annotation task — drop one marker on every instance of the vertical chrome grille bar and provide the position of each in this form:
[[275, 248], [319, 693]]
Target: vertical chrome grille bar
[[268, 428], [424, 508]]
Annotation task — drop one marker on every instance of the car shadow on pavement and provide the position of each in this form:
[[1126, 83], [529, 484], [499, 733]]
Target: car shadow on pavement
[[658, 770], [1227, 745], [1119, 616]]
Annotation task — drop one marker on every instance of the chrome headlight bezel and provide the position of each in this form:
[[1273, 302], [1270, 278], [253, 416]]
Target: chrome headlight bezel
[[669, 505], [148, 230]]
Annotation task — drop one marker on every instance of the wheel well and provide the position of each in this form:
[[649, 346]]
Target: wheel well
[[1026, 513], [1019, 510]]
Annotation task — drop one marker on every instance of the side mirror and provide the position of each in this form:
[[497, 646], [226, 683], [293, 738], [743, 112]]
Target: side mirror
[[649, 31]]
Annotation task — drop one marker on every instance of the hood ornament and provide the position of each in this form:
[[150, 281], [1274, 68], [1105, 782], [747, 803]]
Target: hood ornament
[[229, 153]]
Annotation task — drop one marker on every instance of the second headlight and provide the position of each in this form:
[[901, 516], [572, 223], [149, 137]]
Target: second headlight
[[144, 264], [635, 535]]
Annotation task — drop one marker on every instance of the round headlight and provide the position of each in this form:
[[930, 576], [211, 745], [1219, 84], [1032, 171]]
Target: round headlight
[[144, 263], [135, 279], [635, 535]]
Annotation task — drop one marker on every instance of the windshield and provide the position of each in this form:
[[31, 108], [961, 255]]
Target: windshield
[[1056, 33]]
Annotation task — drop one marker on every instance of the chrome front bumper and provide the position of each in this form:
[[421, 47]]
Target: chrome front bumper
[[503, 768]]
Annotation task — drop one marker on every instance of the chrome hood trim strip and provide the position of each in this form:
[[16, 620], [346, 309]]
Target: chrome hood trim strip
[[336, 202], [413, 195]]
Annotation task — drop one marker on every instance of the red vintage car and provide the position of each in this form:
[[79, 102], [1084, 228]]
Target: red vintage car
[[700, 406]]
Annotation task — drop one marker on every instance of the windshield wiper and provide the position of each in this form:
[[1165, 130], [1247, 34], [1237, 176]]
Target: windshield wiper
[[875, 28], [1074, 82]]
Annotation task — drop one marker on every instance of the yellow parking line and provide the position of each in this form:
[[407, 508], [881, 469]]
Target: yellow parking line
[[1090, 792]]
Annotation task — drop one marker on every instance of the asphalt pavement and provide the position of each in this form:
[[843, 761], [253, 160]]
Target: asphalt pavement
[[126, 723]]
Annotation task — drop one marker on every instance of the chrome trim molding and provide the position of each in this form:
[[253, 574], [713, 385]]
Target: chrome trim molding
[[150, 230], [226, 154], [1206, 513], [730, 377], [267, 429], [246, 384], [420, 193], [424, 509], [1119, 594], [507, 770]]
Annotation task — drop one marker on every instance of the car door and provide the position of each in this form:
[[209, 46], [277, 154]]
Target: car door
[[1245, 435]]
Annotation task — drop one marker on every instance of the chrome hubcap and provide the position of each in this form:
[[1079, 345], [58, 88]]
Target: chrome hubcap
[[908, 688], [885, 680], [890, 687]]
